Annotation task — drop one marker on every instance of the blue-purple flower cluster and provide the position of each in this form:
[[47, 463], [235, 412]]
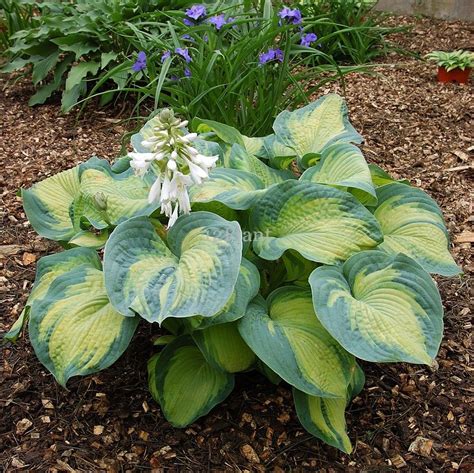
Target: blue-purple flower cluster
[[271, 55], [197, 14], [140, 63]]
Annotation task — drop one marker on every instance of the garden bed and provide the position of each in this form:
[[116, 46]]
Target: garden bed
[[415, 128]]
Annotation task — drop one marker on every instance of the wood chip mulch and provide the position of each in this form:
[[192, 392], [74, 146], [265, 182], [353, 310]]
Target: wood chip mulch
[[408, 417]]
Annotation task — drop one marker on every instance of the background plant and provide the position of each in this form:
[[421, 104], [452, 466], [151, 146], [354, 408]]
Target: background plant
[[88, 50], [337, 269], [15, 15], [452, 60]]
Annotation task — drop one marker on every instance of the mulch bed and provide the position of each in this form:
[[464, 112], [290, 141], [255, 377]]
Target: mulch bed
[[408, 417]]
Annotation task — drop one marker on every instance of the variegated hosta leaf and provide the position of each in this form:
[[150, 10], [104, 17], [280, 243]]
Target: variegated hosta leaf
[[195, 276], [289, 339], [279, 155], [380, 307], [412, 223], [47, 270], [47, 205], [111, 198], [74, 329], [312, 128], [343, 165], [246, 288], [323, 224], [241, 159], [88, 239], [297, 268], [184, 384], [324, 417], [224, 348], [381, 178], [237, 189]]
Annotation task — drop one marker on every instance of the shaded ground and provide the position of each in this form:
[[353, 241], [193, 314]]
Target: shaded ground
[[415, 128]]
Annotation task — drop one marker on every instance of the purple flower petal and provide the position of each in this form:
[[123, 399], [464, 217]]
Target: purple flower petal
[[140, 63], [188, 22], [218, 21], [165, 56], [292, 17], [183, 52], [308, 39], [187, 72], [196, 11]]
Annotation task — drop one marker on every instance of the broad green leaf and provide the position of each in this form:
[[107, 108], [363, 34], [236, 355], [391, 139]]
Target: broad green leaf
[[289, 339], [241, 159], [184, 384], [194, 276], [343, 165], [279, 155], [380, 307], [323, 224], [106, 58], [79, 72], [412, 223], [297, 268], [42, 68], [226, 133], [15, 330], [324, 418], [124, 195], [47, 204], [89, 239], [70, 97], [74, 329], [381, 178], [77, 44], [237, 189], [224, 348], [47, 90], [312, 128], [246, 288]]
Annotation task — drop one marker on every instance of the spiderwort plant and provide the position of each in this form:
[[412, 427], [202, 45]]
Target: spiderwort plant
[[297, 276]]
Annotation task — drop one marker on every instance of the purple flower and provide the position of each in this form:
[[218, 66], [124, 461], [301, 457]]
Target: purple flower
[[308, 39], [196, 11], [292, 17], [186, 37], [188, 22], [140, 63], [165, 56], [270, 55], [187, 72], [218, 21], [183, 52]]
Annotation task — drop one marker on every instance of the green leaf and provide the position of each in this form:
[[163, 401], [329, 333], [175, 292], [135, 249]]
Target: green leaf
[[237, 189], [74, 330], [312, 128], [323, 224], [47, 204], [290, 340], [343, 165], [15, 330], [226, 133], [89, 239], [241, 159], [41, 68], [381, 178], [379, 307], [77, 44], [195, 276], [124, 195], [79, 72], [246, 288], [46, 91], [324, 418], [224, 348], [412, 223], [184, 384], [106, 58]]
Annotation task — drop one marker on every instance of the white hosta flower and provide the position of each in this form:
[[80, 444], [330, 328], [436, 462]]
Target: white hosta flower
[[175, 162]]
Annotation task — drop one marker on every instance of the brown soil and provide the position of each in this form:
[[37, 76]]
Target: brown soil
[[415, 128]]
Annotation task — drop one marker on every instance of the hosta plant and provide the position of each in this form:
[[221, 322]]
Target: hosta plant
[[288, 254]]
